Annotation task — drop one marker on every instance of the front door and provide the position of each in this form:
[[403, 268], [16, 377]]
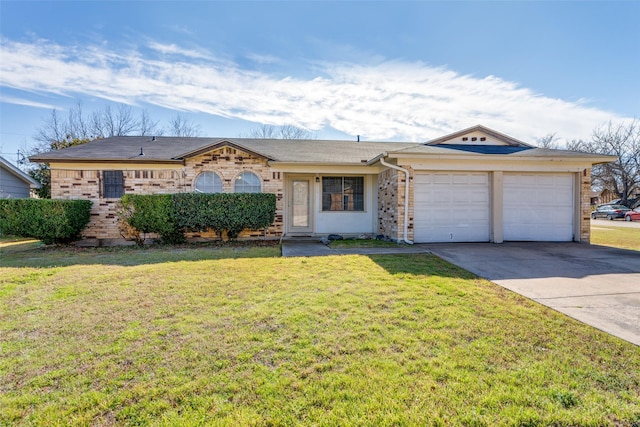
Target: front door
[[300, 212]]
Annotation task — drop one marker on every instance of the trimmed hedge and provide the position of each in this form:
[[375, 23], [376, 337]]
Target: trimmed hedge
[[173, 215], [52, 221], [152, 214]]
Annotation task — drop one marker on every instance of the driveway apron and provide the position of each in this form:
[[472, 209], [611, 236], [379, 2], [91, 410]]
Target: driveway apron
[[597, 285]]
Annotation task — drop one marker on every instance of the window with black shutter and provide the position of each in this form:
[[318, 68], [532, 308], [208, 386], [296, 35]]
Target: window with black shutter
[[113, 184]]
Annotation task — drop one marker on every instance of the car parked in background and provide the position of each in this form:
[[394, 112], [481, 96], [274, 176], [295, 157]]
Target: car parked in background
[[610, 211], [633, 215]]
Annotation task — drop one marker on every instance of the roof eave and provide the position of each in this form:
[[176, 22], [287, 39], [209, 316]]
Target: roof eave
[[103, 160], [290, 163], [505, 157]]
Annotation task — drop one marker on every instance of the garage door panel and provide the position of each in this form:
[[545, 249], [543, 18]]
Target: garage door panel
[[441, 179], [451, 207], [538, 207]]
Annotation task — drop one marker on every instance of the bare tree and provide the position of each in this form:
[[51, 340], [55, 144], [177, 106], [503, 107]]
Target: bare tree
[[264, 132], [180, 126], [293, 132], [115, 123], [548, 141], [280, 132], [575, 145], [77, 124], [56, 130], [621, 140], [148, 126], [52, 129]]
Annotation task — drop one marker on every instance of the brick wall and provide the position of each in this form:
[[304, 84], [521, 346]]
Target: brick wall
[[388, 204], [227, 162], [391, 194]]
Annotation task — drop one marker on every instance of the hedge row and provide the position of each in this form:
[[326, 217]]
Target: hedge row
[[52, 221], [171, 215], [153, 213]]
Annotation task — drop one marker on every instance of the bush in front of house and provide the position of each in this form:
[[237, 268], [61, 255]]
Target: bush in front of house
[[52, 221], [152, 214], [228, 213], [172, 215]]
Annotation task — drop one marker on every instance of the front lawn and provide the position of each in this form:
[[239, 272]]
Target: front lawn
[[619, 237], [240, 336]]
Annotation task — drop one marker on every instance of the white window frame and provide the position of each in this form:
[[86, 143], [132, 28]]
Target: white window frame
[[216, 186], [344, 201], [242, 185]]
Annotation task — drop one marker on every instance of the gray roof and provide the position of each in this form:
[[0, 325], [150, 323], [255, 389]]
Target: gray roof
[[175, 149]]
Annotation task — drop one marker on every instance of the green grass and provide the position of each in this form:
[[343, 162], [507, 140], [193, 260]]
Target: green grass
[[10, 244], [240, 336], [617, 237], [363, 243]]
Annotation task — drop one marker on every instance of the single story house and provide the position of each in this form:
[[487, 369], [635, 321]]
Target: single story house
[[15, 184], [475, 185]]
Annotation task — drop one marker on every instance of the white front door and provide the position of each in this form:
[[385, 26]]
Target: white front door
[[300, 213]]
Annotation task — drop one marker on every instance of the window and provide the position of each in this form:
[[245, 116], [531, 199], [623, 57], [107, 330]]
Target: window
[[208, 182], [112, 184], [247, 182], [343, 193]]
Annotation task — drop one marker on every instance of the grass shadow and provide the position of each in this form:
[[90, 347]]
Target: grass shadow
[[420, 264], [39, 256], [13, 245]]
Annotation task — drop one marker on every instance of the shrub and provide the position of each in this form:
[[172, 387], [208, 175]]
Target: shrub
[[52, 221], [152, 214], [171, 215], [225, 212]]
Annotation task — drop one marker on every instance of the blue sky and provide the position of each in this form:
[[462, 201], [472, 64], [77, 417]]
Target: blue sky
[[383, 70]]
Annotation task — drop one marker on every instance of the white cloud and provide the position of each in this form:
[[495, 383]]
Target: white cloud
[[26, 102], [173, 49], [388, 100], [262, 59]]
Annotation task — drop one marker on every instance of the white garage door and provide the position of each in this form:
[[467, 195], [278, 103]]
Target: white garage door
[[451, 207], [538, 207]]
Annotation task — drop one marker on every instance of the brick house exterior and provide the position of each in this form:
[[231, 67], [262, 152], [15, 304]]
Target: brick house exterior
[[349, 187]]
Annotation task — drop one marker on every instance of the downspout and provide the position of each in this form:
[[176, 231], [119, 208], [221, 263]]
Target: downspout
[[406, 197]]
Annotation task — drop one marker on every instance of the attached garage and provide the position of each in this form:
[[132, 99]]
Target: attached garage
[[539, 207], [451, 207]]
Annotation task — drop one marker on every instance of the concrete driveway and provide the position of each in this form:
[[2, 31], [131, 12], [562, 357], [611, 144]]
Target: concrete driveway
[[597, 285]]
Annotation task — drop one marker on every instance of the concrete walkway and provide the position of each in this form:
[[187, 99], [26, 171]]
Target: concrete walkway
[[596, 285]]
